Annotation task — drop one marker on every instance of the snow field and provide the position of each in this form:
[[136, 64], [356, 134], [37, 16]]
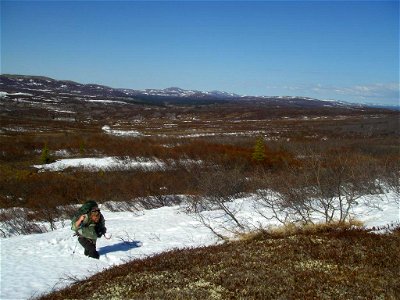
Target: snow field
[[37, 263]]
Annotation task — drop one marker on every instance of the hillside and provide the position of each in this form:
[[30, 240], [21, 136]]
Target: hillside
[[39, 88], [186, 160], [36, 264], [322, 263]]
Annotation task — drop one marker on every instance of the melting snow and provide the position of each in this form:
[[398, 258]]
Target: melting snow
[[133, 133], [100, 163], [38, 263]]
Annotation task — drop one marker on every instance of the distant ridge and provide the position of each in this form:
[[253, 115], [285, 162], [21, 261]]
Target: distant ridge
[[33, 84]]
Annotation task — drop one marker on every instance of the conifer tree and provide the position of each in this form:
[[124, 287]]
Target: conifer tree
[[45, 157], [82, 148], [259, 150]]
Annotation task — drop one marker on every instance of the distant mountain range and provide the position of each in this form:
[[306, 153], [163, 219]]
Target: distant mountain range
[[39, 85]]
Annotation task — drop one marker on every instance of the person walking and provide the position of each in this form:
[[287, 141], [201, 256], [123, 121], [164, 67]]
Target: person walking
[[89, 225]]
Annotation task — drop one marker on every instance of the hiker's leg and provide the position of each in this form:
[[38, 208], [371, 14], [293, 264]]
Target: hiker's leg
[[93, 252], [89, 246], [84, 243]]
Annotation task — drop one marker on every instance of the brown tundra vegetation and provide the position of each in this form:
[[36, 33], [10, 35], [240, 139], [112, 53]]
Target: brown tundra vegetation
[[364, 140], [318, 262], [309, 151]]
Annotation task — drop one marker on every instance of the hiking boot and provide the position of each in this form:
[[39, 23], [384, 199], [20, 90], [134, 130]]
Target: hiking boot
[[95, 255]]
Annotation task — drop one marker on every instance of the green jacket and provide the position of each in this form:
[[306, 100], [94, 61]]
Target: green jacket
[[88, 228]]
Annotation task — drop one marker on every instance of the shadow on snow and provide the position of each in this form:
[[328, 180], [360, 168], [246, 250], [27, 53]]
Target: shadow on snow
[[123, 246]]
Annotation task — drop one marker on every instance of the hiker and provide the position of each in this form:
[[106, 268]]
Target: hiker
[[89, 224]]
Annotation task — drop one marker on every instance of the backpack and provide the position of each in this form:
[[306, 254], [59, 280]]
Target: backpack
[[83, 210], [86, 208]]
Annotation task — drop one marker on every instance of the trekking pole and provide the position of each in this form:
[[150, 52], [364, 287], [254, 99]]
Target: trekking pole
[[73, 253]]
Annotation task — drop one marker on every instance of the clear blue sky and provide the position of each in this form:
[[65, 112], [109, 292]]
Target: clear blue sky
[[340, 50]]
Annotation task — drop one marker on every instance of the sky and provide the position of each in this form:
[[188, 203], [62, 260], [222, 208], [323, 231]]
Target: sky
[[342, 50]]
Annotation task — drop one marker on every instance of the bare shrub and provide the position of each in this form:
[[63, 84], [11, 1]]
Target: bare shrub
[[157, 201], [121, 206], [15, 221], [217, 189], [127, 240], [326, 186], [392, 176]]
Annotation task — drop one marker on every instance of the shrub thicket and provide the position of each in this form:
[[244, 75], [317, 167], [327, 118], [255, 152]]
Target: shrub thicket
[[227, 145]]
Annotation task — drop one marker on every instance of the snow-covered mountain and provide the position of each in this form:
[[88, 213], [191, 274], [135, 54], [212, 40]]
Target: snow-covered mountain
[[31, 84], [178, 92], [39, 85]]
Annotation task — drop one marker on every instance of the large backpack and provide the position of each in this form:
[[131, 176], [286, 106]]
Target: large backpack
[[86, 207]]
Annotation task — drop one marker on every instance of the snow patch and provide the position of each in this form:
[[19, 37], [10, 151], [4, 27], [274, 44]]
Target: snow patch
[[5, 94], [94, 164], [131, 133]]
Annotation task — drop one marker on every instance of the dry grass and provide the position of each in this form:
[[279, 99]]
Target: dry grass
[[320, 263]]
